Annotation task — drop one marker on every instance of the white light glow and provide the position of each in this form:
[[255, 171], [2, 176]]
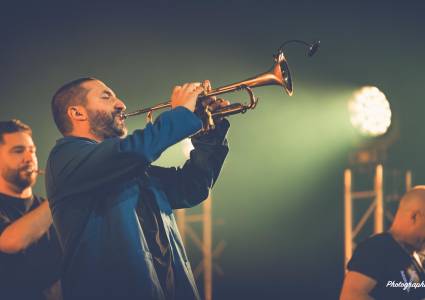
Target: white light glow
[[370, 111], [187, 147]]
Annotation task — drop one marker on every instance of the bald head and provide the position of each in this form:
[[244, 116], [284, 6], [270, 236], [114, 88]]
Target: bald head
[[409, 223], [413, 200]]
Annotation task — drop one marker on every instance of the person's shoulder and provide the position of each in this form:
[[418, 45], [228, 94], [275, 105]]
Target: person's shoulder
[[3, 205], [2, 196], [374, 245], [73, 140], [379, 239], [69, 144], [367, 258]]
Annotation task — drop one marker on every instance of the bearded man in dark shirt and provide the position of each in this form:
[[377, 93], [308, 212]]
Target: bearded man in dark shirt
[[30, 254]]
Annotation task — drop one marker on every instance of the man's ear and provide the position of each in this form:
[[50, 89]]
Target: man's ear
[[415, 215], [77, 113]]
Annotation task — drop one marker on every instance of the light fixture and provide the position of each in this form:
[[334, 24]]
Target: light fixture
[[370, 111]]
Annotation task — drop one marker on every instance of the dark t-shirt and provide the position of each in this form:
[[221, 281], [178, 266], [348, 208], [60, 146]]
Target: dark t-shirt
[[383, 259], [25, 275]]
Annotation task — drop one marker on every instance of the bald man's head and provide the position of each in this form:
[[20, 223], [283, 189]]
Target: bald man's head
[[409, 221], [413, 199]]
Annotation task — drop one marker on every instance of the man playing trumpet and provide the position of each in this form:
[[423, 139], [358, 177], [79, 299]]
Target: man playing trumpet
[[112, 207]]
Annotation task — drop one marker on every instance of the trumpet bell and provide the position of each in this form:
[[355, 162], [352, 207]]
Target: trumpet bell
[[279, 74], [285, 79]]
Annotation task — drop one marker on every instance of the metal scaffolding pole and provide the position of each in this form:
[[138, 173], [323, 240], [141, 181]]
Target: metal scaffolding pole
[[348, 217], [408, 181], [204, 243], [377, 207], [207, 241], [379, 199]]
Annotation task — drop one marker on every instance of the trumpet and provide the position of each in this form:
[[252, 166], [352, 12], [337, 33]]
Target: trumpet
[[278, 74], [38, 172]]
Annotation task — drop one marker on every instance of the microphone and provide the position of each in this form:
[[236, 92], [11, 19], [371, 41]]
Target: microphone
[[312, 48]]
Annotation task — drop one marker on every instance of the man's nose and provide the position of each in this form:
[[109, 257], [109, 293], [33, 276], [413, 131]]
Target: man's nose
[[29, 157], [119, 104]]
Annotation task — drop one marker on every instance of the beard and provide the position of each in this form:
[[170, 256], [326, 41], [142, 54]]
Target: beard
[[20, 178], [106, 125]]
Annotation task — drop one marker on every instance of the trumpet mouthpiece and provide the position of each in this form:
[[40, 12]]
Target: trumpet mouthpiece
[[39, 172]]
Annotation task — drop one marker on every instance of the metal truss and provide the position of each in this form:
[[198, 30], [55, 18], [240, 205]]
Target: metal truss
[[379, 207], [204, 242]]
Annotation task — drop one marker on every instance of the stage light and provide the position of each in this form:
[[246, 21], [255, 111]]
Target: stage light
[[370, 111]]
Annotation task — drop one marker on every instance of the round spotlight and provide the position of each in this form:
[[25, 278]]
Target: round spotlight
[[370, 111]]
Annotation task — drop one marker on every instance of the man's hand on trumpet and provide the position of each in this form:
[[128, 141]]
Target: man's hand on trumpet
[[186, 95], [213, 102], [207, 106]]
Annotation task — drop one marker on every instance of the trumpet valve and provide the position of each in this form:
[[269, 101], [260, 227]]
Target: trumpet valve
[[209, 117], [149, 117]]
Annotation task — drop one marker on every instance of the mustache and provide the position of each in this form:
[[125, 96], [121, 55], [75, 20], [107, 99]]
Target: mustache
[[117, 112], [27, 168]]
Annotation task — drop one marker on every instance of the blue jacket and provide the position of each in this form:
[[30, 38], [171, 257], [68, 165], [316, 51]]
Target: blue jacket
[[94, 189]]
